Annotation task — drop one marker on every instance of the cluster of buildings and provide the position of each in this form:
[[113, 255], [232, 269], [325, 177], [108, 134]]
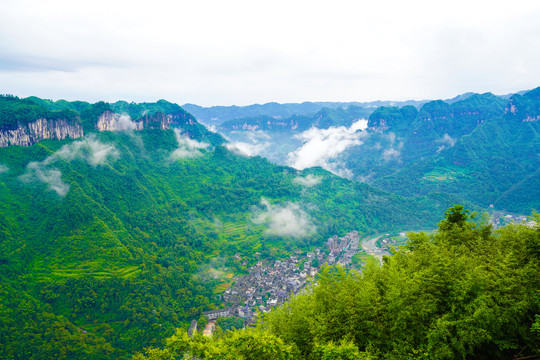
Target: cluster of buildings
[[342, 249], [499, 219], [270, 283]]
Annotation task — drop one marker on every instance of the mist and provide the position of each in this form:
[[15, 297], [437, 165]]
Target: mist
[[308, 181], [187, 148], [286, 219], [446, 142], [321, 147], [89, 149]]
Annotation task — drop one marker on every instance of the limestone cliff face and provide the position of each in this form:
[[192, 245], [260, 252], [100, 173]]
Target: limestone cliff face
[[38, 130], [109, 121]]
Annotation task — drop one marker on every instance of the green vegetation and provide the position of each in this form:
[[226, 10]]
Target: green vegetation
[[323, 119], [230, 323], [465, 291], [478, 149], [16, 112], [481, 150], [110, 242]]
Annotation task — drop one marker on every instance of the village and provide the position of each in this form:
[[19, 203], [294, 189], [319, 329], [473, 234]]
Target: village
[[270, 283]]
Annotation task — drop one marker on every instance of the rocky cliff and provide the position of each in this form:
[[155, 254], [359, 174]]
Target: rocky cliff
[[109, 121], [41, 129]]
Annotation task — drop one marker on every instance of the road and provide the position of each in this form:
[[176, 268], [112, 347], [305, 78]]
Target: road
[[369, 245]]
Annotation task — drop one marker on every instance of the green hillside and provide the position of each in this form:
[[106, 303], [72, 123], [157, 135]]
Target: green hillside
[[103, 240], [484, 153]]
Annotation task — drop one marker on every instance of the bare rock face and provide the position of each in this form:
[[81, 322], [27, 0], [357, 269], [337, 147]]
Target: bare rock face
[[157, 121], [38, 130], [109, 121]]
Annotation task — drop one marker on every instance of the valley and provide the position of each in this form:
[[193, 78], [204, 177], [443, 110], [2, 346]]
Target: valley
[[142, 220]]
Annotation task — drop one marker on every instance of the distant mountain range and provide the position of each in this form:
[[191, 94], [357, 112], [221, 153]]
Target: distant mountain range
[[481, 148], [216, 115]]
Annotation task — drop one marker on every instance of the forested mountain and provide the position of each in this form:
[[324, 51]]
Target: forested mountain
[[479, 148], [322, 119], [216, 115], [107, 240]]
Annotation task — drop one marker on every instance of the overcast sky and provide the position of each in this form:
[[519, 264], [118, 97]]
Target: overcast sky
[[243, 52]]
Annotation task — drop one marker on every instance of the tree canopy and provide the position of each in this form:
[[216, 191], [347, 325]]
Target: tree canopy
[[467, 294]]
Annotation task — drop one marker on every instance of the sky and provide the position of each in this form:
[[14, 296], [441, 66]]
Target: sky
[[210, 52]]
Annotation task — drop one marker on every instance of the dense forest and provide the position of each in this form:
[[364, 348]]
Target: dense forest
[[464, 292], [107, 241]]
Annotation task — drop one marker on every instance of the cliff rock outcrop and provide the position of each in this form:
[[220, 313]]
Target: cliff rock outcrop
[[38, 130]]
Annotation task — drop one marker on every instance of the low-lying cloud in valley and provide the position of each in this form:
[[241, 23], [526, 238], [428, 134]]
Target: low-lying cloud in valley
[[187, 148], [3, 169], [446, 142], [38, 171], [284, 220], [309, 181], [93, 151], [250, 143], [393, 152], [321, 147], [123, 122], [245, 148]]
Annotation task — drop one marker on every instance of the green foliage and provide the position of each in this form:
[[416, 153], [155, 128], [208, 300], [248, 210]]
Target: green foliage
[[243, 345], [476, 150], [15, 112], [346, 350], [323, 119], [230, 323], [126, 254], [460, 293]]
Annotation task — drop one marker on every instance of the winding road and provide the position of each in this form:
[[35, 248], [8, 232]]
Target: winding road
[[370, 247]]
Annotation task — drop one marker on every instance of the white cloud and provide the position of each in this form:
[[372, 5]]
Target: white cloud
[[321, 147], [93, 55], [446, 141], [247, 149], [391, 154], [38, 171], [123, 122], [187, 148], [3, 169], [284, 220], [93, 151], [309, 181], [250, 143]]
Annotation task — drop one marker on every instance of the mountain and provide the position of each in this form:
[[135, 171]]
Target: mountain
[[484, 151], [111, 240], [216, 115], [22, 122], [477, 148], [322, 119]]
